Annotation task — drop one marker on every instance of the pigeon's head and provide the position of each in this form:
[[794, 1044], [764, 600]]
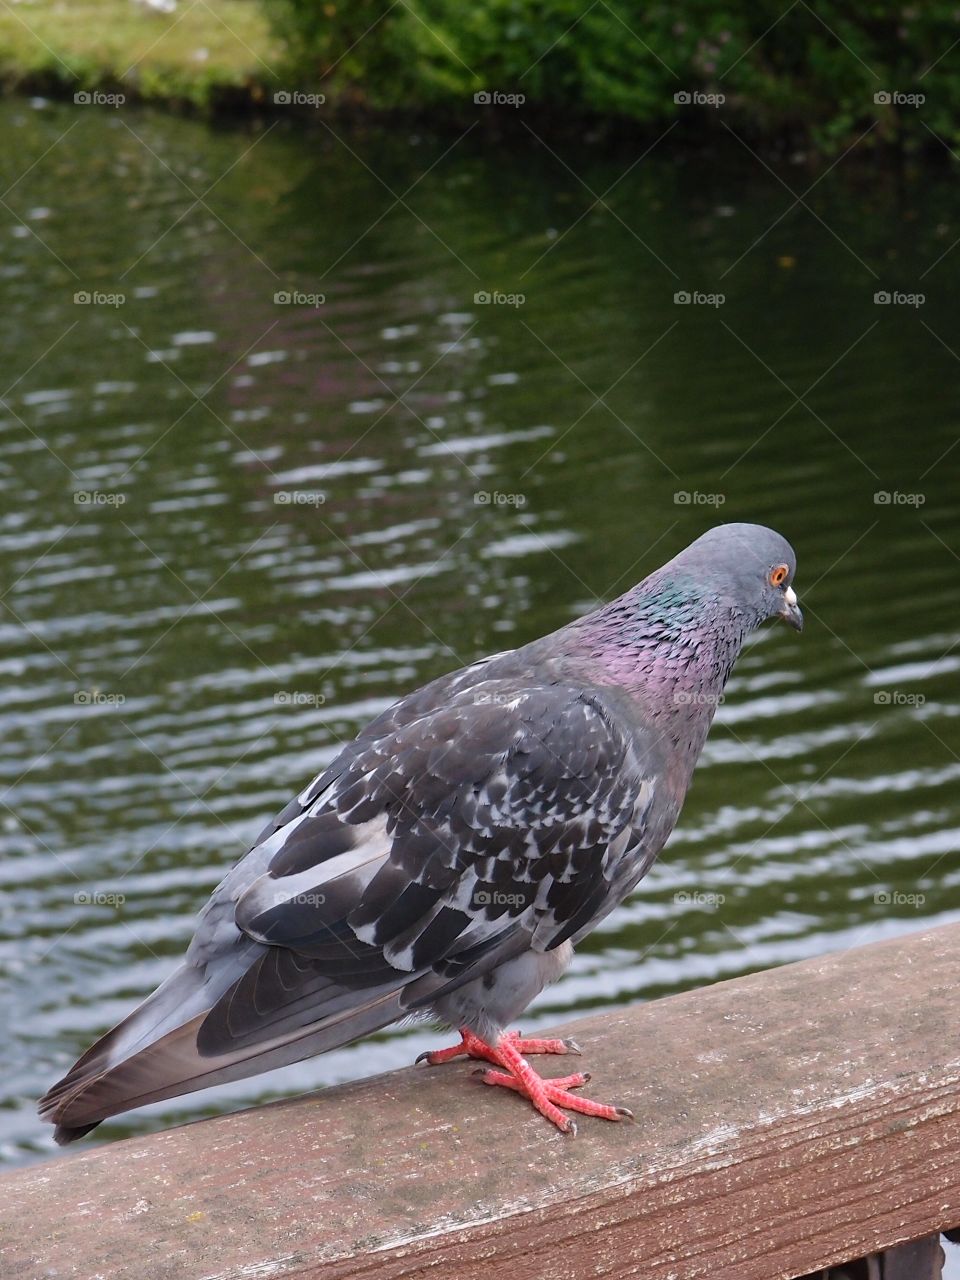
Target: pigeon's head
[[750, 569]]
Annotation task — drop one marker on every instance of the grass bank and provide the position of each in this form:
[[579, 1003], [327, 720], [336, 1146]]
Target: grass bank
[[202, 55], [820, 78]]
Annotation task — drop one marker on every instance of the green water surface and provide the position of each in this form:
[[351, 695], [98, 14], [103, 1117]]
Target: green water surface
[[233, 528]]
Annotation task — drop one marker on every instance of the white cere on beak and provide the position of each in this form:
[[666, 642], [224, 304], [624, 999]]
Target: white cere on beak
[[790, 596]]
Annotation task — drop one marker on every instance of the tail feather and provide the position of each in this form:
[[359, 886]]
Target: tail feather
[[100, 1086], [63, 1134]]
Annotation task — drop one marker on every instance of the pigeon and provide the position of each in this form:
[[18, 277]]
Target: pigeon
[[449, 860]]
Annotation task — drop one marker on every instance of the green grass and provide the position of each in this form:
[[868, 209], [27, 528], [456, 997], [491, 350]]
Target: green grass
[[206, 52]]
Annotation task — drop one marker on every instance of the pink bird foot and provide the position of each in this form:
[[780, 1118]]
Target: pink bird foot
[[472, 1046], [550, 1097]]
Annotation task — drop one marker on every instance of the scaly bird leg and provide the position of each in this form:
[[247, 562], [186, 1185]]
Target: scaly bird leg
[[472, 1046], [550, 1097]]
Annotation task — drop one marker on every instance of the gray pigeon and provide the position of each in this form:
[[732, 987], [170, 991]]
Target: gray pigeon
[[452, 856]]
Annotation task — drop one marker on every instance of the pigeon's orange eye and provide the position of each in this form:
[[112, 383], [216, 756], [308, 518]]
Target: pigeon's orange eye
[[779, 575]]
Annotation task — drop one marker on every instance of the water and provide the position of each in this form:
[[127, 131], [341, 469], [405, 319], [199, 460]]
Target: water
[[461, 477]]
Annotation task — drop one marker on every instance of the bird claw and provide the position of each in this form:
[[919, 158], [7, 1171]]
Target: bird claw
[[510, 1070], [509, 1081], [471, 1046], [560, 1047]]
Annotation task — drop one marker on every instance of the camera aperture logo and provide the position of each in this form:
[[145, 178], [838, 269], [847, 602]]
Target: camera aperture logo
[[894, 98], [298, 698], [698, 698], [496, 98], [494, 498], [94, 298], [493, 698], [97, 98], [697, 898], [297, 298], [898, 698], [498, 898], [98, 898], [696, 98], [298, 98], [686, 298], [96, 698], [98, 498], [497, 298], [299, 498], [896, 498], [697, 498]]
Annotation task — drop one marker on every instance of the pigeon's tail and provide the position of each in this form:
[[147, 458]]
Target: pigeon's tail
[[154, 1053]]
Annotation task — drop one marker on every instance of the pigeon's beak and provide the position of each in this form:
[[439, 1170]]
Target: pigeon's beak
[[790, 612]]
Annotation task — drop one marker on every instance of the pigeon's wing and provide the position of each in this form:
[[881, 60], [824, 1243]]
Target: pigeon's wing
[[468, 824], [494, 822]]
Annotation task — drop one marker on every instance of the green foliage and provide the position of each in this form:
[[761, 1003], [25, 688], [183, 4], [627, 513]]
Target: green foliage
[[808, 71], [367, 48]]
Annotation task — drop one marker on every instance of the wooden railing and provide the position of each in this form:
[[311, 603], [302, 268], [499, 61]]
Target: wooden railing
[[796, 1118]]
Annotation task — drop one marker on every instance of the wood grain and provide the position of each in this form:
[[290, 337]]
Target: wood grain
[[785, 1121]]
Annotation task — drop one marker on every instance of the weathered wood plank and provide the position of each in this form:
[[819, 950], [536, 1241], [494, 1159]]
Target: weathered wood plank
[[788, 1120]]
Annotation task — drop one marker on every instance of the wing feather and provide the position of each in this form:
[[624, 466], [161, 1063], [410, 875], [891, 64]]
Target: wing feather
[[497, 810]]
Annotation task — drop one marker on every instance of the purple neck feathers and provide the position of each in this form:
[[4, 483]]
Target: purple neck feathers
[[669, 647]]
